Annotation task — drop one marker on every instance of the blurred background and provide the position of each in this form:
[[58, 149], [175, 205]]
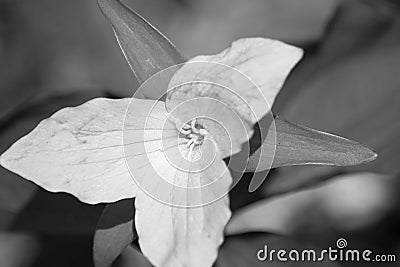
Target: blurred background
[[57, 53]]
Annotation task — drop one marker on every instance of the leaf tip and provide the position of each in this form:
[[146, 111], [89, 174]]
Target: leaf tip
[[372, 156], [363, 155]]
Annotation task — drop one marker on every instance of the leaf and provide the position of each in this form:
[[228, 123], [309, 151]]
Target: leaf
[[299, 145], [146, 49], [77, 150], [115, 231]]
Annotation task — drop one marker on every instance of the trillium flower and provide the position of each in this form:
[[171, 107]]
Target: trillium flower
[[167, 155]]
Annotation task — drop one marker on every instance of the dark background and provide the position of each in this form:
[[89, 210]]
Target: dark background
[[57, 53]]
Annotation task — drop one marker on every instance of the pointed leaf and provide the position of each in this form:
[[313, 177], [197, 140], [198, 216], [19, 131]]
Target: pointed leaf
[[146, 49], [299, 145], [115, 231]]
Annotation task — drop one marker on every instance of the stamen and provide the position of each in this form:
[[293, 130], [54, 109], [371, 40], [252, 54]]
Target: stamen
[[185, 131], [193, 140], [191, 149], [203, 132], [193, 125], [193, 136]]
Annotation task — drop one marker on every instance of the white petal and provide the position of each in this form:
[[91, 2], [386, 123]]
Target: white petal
[[78, 150], [254, 68], [185, 236], [180, 237]]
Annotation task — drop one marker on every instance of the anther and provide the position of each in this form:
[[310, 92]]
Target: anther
[[203, 132], [193, 125], [193, 135], [191, 149], [185, 131], [191, 141]]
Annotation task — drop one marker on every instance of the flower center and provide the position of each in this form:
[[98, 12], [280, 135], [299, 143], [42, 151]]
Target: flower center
[[194, 134]]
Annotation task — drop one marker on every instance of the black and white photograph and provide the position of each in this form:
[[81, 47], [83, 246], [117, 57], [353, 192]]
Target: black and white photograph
[[188, 133]]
